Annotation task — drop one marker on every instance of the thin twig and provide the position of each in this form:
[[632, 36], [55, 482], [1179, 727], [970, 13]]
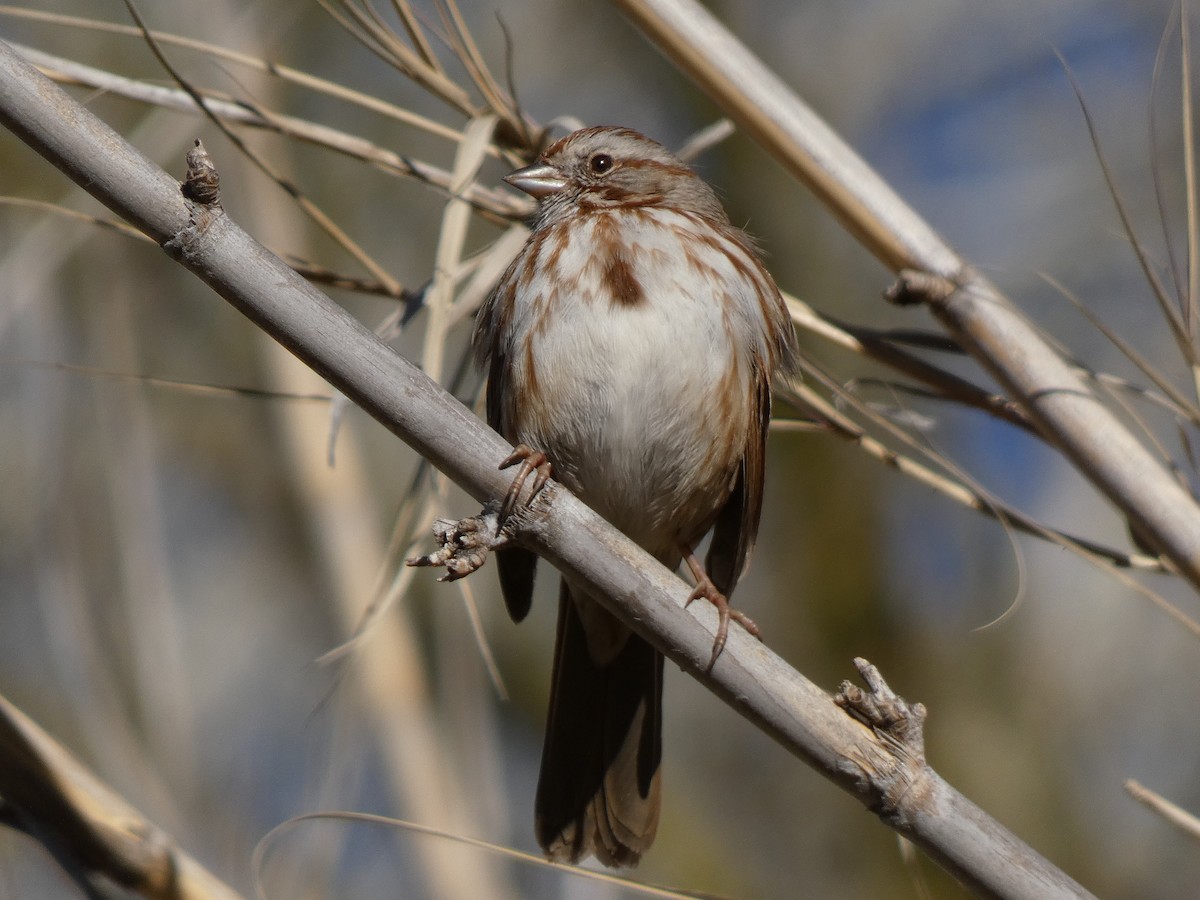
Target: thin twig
[[802, 395], [1156, 170], [416, 34], [500, 206], [314, 212], [1180, 404], [1170, 314], [376, 37], [1172, 812], [278, 70], [1188, 127]]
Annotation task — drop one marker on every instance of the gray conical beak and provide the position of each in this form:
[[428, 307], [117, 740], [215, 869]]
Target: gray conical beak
[[539, 180]]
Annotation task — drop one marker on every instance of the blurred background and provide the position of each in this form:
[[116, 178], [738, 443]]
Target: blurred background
[[173, 563]]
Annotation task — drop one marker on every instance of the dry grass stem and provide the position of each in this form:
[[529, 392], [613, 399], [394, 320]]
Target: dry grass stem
[[499, 205], [1043, 391], [1171, 812]]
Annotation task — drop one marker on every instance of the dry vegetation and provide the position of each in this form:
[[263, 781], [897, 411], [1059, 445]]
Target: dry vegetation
[[187, 549]]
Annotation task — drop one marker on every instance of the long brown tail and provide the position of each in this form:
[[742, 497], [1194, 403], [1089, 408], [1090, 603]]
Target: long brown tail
[[599, 790]]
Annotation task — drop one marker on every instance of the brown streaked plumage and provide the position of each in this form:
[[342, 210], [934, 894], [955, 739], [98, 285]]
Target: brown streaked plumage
[[632, 341]]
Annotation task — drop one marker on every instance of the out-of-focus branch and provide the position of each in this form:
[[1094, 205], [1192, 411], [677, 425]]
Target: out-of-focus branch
[[1185, 821], [987, 325], [496, 204], [906, 793], [96, 835]]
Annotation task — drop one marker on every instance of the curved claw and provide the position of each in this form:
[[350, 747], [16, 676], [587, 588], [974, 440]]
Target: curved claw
[[531, 461], [725, 612]]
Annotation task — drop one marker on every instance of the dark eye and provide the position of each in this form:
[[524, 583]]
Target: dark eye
[[600, 163]]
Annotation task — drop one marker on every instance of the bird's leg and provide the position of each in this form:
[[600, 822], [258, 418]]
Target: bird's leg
[[531, 461], [706, 589]]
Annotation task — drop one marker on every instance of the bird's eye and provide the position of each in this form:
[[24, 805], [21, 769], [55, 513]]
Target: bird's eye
[[600, 163]]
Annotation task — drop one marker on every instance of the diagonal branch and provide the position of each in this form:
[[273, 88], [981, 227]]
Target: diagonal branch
[[94, 834]]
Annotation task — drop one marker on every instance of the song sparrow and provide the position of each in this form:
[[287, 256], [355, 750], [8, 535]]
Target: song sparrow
[[631, 344]]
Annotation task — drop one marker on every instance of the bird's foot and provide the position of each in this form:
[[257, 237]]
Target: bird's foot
[[532, 461], [465, 544], [725, 612]]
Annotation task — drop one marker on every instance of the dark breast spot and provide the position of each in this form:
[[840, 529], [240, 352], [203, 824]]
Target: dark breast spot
[[622, 282]]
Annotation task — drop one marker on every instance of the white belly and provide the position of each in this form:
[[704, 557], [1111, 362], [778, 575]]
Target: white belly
[[633, 398]]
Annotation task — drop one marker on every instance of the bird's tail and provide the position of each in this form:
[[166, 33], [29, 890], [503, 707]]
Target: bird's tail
[[599, 790]]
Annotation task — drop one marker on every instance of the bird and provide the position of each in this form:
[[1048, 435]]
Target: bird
[[629, 351]]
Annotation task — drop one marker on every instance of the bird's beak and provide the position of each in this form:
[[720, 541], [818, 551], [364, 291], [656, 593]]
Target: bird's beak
[[539, 180]]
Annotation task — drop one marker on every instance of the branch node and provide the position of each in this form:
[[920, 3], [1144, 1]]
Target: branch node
[[913, 287], [202, 182], [893, 782]]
